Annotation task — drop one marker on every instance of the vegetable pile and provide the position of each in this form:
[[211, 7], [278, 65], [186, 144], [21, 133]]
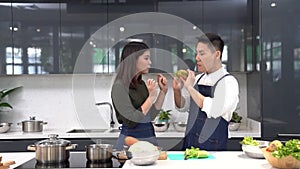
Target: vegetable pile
[[195, 153], [250, 141], [291, 147]]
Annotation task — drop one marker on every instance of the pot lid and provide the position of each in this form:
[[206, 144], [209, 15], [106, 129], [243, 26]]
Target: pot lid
[[53, 140], [32, 119]]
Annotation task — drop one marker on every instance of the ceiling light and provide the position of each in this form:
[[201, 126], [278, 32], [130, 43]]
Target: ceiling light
[[134, 40], [184, 50], [15, 29], [122, 29], [273, 4]]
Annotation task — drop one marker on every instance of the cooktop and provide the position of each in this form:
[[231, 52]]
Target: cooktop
[[76, 160]]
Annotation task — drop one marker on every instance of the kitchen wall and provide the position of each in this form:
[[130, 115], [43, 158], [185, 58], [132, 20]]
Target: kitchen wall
[[68, 101]]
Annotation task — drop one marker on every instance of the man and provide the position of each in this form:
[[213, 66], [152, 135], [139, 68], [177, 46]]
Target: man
[[214, 95]]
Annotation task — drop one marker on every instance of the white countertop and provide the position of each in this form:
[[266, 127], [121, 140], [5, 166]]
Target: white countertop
[[18, 157], [252, 128], [63, 134], [225, 159]]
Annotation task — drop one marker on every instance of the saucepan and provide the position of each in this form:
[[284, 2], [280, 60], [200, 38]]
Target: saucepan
[[32, 125], [99, 152]]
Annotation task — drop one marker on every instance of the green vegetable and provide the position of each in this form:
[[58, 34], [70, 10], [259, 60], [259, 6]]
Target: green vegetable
[[179, 73], [250, 141], [236, 117], [195, 153], [291, 147], [164, 115]]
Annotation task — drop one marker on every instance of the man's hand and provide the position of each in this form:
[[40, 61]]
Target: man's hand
[[190, 80]]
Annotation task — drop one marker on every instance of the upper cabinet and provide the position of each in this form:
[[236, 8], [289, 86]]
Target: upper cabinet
[[70, 36]]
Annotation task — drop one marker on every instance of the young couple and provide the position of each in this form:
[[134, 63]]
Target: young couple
[[213, 96]]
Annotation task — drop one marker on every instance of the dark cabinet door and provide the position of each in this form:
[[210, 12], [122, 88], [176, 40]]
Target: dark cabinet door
[[280, 47]]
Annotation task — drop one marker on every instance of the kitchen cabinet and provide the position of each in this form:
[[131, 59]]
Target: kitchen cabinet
[[50, 39], [280, 76]]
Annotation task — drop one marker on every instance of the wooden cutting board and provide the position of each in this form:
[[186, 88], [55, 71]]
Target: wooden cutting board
[[5, 164], [163, 156]]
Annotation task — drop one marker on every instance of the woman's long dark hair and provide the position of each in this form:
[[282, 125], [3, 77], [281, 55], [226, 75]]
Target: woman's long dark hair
[[127, 67]]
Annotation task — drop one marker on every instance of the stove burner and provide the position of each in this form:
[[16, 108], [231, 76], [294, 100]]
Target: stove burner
[[76, 160], [52, 165], [99, 164]]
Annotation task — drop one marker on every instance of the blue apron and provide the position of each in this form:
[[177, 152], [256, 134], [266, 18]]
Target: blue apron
[[143, 131], [206, 133]]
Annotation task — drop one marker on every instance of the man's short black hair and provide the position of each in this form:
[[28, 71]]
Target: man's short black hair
[[212, 39]]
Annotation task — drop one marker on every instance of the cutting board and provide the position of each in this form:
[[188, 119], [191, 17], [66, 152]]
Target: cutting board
[[181, 157]]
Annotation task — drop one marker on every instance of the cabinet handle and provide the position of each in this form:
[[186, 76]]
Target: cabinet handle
[[288, 135]]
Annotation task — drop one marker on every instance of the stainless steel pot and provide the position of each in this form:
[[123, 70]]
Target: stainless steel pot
[[4, 127], [52, 150], [99, 152], [32, 125]]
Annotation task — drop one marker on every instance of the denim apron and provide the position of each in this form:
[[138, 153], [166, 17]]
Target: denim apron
[[143, 131], [206, 133]]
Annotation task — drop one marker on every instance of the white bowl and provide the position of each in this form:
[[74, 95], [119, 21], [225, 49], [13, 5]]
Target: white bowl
[[160, 126], [145, 159], [180, 126], [255, 151], [4, 127], [234, 126]]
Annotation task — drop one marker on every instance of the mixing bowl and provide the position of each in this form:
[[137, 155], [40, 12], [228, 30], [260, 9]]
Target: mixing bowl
[[255, 151], [4, 127], [180, 126], [160, 126], [145, 158]]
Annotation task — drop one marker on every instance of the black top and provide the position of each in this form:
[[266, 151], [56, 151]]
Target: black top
[[127, 103]]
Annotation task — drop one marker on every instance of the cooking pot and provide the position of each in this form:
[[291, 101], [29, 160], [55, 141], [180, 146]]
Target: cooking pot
[[99, 152], [4, 127], [52, 150], [32, 125]]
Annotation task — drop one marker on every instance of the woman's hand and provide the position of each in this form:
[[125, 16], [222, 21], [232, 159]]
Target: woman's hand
[[163, 83], [152, 89], [177, 84]]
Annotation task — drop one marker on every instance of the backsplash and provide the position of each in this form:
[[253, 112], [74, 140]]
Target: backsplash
[[68, 101]]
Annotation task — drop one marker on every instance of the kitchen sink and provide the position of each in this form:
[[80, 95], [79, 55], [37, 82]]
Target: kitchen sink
[[87, 131]]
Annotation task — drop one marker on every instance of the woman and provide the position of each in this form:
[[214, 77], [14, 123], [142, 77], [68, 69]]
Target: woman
[[136, 102]]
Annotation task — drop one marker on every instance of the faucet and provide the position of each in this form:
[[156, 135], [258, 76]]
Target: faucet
[[112, 123]]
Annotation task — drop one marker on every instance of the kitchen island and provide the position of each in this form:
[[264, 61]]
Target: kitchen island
[[225, 159]]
